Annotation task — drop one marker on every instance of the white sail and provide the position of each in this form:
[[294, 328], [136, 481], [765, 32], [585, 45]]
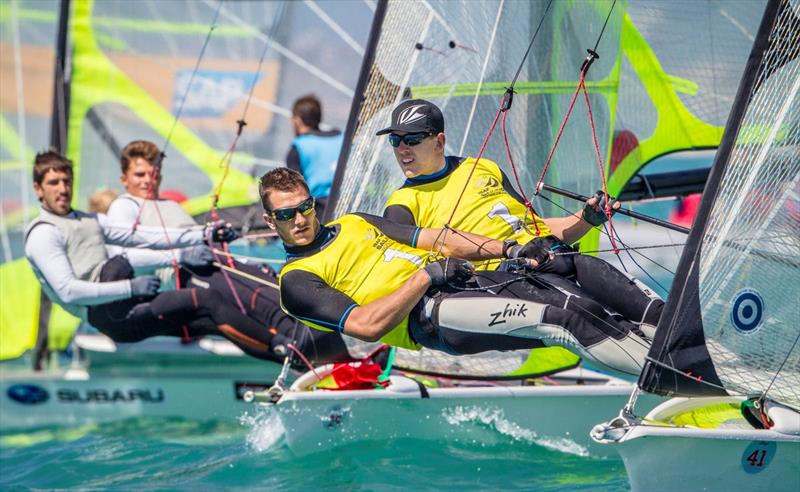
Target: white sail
[[749, 268]]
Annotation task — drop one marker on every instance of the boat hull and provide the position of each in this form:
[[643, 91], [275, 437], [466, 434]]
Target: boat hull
[[660, 457], [557, 417]]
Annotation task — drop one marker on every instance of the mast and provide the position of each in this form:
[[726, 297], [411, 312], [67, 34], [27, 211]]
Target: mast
[[58, 140], [355, 108], [680, 341]]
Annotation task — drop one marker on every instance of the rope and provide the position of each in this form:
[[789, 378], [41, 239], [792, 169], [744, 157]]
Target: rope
[[304, 359], [242, 274]]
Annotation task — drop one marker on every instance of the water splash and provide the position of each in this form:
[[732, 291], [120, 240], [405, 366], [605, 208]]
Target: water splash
[[266, 429], [495, 419]]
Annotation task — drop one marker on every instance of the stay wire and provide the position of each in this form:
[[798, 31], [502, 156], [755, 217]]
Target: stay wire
[[530, 45], [775, 377], [191, 78], [225, 164]]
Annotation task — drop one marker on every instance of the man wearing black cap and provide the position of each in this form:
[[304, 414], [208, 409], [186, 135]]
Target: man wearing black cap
[[491, 207]]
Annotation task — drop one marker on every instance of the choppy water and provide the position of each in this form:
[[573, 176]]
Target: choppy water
[[176, 454]]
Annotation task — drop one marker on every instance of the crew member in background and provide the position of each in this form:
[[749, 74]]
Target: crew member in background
[[373, 279], [314, 152], [491, 207], [264, 328], [100, 200]]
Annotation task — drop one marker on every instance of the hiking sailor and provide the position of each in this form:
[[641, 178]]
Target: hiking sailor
[[373, 279], [66, 249], [264, 330], [492, 207]]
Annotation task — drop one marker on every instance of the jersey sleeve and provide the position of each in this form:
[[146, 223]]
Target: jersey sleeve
[[45, 248], [123, 210], [399, 214], [308, 298], [402, 233]]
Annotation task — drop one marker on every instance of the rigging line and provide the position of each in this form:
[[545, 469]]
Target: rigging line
[[530, 45], [604, 25], [317, 72], [22, 138], [528, 205], [632, 248], [608, 211], [335, 27], [275, 261], [489, 49], [603, 232], [764, 395], [581, 84], [242, 274], [681, 373], [191, 78]]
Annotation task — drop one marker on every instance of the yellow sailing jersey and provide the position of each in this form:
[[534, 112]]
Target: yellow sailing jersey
[[486, 208], [365, 264]]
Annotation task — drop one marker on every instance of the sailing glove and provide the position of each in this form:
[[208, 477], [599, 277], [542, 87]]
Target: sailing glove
[[222, 232], [448, 270], [596, 214], [537, 250], [197, 256], [144, 286]]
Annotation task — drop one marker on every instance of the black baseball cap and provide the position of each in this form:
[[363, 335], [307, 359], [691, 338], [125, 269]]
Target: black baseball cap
[[415, 115]]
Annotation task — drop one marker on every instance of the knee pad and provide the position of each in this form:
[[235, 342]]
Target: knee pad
[[490, 315]]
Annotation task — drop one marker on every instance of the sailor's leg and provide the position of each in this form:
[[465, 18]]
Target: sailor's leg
[[622, 292], [524, 317], [579, 301]]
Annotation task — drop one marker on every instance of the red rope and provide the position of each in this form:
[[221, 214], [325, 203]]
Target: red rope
[[560, 132], [602, 170], [480, 154], [528, 204]]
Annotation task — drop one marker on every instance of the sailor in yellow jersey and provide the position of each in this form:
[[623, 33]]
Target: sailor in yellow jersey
[[491, 207], [373, 279]]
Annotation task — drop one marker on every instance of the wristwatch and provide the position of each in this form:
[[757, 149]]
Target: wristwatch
[[507, 244]]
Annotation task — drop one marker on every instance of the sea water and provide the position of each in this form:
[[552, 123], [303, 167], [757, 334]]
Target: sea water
[[249, 453]]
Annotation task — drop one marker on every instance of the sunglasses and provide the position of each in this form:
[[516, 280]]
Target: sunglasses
[[283, 214], [410, 139]]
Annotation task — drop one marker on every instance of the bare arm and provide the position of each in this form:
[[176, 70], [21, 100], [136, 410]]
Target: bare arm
[[375, 319]]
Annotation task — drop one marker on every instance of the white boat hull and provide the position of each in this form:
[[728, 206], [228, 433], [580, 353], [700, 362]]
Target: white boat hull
[[719, 459], [557, 417], [163, 381]]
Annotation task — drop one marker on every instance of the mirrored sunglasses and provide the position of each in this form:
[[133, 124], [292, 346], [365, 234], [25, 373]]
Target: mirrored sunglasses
[[410, 139], [283, 214]]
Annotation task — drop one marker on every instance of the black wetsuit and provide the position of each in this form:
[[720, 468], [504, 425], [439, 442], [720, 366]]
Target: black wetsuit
[[207, 306], [590, 277]]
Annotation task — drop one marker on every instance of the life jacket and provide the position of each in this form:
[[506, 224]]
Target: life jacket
[[318, 153], [364, 264], [486, 208], [86, 250]]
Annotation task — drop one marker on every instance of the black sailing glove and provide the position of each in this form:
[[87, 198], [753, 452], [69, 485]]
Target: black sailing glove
[[448, 270], [196, 256], [144, 286], [596, 214], [222, 232], [537, 250]]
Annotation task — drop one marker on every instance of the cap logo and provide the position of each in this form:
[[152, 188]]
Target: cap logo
[[410, 115]]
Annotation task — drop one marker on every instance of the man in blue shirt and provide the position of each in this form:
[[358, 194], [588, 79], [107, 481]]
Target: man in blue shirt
[[314, 152]]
